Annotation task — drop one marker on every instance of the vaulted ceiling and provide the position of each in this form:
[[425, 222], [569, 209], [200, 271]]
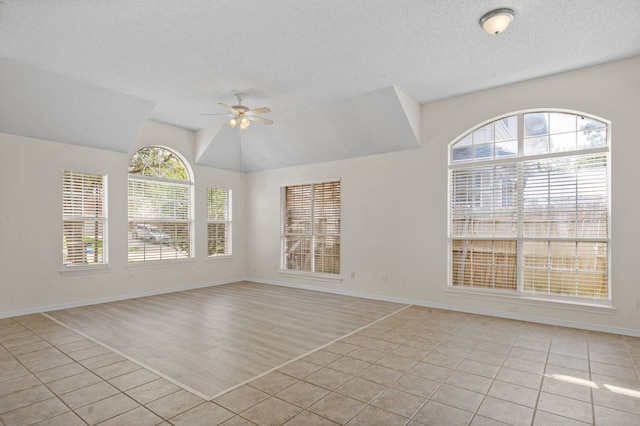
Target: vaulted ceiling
[[342, 78]]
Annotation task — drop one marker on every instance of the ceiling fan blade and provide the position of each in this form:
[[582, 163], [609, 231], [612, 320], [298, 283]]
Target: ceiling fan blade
[[227, 107], [261, 120], [221, 115], [257, 111]]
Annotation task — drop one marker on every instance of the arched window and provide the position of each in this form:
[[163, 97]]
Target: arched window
[[160, 198], [529, 206]]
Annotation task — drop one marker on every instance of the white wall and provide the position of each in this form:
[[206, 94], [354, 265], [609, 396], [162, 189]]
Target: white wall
[[395, 205], [31, 224]]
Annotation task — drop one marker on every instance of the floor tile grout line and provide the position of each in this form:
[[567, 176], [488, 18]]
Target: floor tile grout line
[[141, 364], [308, 353]]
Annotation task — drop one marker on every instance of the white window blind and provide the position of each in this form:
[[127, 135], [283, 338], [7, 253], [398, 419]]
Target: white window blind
[[311, 227], [84, 215], [219, 221], [160, 214], [532, 216]]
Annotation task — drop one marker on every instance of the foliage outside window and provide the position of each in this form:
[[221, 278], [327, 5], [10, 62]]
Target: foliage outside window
[[311, 227], [529, 206], [84, 213], [160, 198], [219, 221]]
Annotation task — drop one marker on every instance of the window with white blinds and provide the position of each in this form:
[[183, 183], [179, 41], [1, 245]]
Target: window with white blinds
[[311, 227], [529, 206], [219, 222], [84, 215], [160, 213]]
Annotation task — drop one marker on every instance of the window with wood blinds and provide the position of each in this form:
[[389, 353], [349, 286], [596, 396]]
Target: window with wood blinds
[[84, 215], [160, 194], [311, 227], [219, 221], [529, 206]]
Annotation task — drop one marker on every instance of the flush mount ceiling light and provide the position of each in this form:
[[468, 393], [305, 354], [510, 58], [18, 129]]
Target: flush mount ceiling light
[[497, 20]]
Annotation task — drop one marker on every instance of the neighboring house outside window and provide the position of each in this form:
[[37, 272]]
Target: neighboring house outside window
[[529, 208], [160, 213], [219, 222], [84, 213], [311, 227]]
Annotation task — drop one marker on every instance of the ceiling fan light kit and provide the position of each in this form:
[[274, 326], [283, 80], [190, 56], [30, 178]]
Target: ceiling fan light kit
[[242, 116], [497, 21]]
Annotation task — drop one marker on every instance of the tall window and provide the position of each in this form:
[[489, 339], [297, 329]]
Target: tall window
[[311, 227], [219, 221], [529, 206], [160, 198], [84, 215]]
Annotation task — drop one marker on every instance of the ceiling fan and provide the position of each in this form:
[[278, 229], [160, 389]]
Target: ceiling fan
[[243, 116]]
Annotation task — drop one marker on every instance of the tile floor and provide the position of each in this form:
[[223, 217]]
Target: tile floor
[[419, 366]]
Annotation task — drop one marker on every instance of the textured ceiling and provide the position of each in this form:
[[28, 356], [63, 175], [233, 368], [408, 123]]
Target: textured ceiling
[[343, 78]]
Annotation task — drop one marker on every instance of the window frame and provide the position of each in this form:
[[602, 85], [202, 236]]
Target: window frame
[[74, 212], [226, 221], [313, 235], [157, 219], [520, 159]]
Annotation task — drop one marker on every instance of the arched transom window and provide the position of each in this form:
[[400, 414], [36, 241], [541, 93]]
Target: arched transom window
[[529, 206], [160, 199]]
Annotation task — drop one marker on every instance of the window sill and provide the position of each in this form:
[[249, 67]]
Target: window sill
[[600, 307], [156, 264], [84, 270], [220, 258], [332, 278]]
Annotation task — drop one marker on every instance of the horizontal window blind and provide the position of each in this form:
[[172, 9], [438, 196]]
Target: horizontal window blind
[[311, 227], [84, 214], [536, 222], [219, 221]]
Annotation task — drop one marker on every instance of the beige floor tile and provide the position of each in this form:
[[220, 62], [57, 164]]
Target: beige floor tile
[[66, 419], [479, 368], [568, 386], [396, 362], [119, 368], [442, 359], [35, 346], [273, 382], [360, 389], [90, 352], [340, 348], [307, 418], [416, 385], [327, 378], [69, 384], [47, 363], [431, 371], [173, 404], [205, 414], [138, 416], [322, 357], [338, 408], [629, 402], [469, 381], [61, 372], [609, 416], [568, 362], [486, 357], [349, 365], [612, 370], [543, 418], [133, 379], [505, 411], [300, 368], [302, 394], [514, 393], [381, 345], [479, 420], [153, 390], [381, 375], [24, 397], [107, 408], [367, 354], [373, 416], [238, 421], [107, 358], [271, 411], [399, 402], [521, 378], [435, 413], [76, 346], [566, 407], [34, 413], [88, 395], [17, 384], [241, 398], [457, 397], [412, 352]]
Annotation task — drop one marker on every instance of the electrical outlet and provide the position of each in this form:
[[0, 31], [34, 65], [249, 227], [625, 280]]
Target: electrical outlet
[[384, 278], [353, 275], [130, 276]]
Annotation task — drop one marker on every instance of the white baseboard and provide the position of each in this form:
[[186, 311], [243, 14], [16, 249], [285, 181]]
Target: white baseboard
[[49, 308], [457, 308]]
